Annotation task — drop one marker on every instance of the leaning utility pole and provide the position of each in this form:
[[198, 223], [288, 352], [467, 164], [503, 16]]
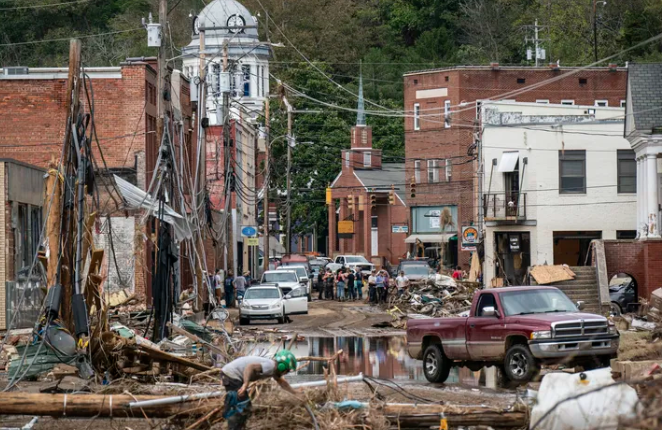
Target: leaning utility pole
[[290, 142], [162, 72], [267, 167], [229, 171]]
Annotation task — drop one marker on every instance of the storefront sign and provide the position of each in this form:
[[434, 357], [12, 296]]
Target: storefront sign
[[400, 228], [469, 238], [248, 231], [252, 241]]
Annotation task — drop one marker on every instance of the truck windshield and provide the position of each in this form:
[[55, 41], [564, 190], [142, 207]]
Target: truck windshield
[[416, 269], [273, 277], [357, 259], [535, 302], [301, 271]]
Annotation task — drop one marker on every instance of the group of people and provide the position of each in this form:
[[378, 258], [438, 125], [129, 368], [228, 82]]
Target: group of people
[[232, 287], [348, 284]]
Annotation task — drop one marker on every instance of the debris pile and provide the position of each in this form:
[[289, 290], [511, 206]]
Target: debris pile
[[437, 296]]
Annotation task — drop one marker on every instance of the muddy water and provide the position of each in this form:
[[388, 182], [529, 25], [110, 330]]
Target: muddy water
[[380, 357]]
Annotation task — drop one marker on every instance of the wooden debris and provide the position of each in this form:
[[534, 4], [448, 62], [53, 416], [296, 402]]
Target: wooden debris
[[548, 274]]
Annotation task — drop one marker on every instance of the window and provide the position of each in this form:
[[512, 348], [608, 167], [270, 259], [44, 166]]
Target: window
[[417, 119], [433, 171], [449, 169], [583, 81], [623, 102], [626, 234], [485, 301], [417, 171], [367, 159], [542, 102], [601, 103], [246, 70], [447, 114], [572, 172], [568, 102], [521, 81], [627, 171], [347, 158]]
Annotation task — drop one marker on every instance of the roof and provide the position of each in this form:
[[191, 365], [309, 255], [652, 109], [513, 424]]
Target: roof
[[645, 92], [490, 68], [389, 174]]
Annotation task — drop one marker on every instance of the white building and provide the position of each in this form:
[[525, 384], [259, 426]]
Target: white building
[[643, 129], [221, 23], [555, 178]]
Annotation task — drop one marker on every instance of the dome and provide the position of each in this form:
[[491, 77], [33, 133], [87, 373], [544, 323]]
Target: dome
[[227, 13]]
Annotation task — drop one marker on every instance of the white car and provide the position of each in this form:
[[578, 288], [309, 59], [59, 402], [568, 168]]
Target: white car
[[354, 262], [302, 274], [284, 278], [267, 302]]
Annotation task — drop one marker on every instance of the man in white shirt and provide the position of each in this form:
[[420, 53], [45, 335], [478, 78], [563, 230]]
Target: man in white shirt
[[372, 285], [402, 282]]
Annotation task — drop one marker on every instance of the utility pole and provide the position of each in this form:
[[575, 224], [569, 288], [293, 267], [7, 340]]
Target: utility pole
[[290, 142], [163, 72], [228, 165], [540, 53], [595, 30], [267, 167]]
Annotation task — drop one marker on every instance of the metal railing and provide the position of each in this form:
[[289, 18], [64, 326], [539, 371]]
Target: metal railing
[[504, 206]]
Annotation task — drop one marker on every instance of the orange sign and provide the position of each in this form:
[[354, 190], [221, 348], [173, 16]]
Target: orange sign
[[345, 227], [328, 196]]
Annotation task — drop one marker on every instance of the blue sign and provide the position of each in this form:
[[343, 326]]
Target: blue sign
[[248, 231]]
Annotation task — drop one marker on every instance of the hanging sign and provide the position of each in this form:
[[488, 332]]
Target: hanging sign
[[469, 238], [252, 241], [248, 231], [345, 227]]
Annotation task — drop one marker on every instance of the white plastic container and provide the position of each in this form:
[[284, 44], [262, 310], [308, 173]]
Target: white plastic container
[[596, 409]]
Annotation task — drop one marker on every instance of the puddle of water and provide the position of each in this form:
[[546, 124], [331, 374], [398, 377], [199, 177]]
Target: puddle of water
[[380, 357]]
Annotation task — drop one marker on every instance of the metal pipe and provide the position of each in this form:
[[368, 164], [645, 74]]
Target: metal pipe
[[200, 396]]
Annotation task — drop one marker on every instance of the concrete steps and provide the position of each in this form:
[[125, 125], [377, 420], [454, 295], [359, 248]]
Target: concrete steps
[[583, 288]]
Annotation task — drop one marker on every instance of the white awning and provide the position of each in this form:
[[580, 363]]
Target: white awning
[[430, 238], [275, 247], [508, 161]]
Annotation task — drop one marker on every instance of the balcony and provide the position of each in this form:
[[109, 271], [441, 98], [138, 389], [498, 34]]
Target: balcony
[[508, 208]]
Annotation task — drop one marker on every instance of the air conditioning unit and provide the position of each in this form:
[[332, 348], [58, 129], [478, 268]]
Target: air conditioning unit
[[14, 71]]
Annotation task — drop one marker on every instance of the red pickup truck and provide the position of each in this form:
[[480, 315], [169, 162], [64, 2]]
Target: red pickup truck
[[517, 329]]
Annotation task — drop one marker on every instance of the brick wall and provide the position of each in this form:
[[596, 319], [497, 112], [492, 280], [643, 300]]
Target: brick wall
[[640, 259], [464, 86]]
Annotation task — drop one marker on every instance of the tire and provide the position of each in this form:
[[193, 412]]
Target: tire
[[616, 309], [436, 366], [520, 366], [281, 320], [244, 321]]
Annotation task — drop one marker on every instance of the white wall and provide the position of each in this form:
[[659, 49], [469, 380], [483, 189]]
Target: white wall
[[540, 143]]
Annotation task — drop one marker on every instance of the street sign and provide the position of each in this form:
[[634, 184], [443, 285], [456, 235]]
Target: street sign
[[469, 238], [400, 229], [252, 241], [345, 227], [248, 231]]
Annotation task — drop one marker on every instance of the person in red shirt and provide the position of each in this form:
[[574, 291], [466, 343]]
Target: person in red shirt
[[458, 273]]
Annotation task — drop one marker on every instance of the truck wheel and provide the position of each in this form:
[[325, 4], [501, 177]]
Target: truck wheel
[[436, 366], [520, 365], [616, 309], [244, 321]]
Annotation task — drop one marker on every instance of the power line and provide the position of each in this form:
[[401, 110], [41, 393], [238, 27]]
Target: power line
[[40, 6], [67, 39]]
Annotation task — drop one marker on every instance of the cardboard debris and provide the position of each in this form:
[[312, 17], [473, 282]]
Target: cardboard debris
[[655, 306], [549, 274]]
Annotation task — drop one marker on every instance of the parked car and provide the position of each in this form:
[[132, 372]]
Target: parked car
[[415, 270], [354, 262], [296, 260], [303, 275], [516, 328], [622, 294], [317, 266], [267, 301], [287, 280]]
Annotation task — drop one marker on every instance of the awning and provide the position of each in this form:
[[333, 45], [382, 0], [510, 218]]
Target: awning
[[430, 238], [508, 161]]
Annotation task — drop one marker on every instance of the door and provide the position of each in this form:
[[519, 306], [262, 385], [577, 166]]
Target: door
[[374, 238], [485, 333], [297, 303]]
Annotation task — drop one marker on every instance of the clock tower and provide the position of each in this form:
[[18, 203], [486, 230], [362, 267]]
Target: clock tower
[[228, 22]]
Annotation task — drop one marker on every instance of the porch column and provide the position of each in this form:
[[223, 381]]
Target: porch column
[[342, 216], [367, 227], [332, 229], [640, 203], [651, 195], [355, 218]]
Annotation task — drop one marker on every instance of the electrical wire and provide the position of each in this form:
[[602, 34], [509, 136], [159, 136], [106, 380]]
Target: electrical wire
[[67, 39]]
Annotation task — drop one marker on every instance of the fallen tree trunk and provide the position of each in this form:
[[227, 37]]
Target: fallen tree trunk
[[91, 405]]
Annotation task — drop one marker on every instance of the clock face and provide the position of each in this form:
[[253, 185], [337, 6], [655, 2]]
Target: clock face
[[235, 24], [196, 25]]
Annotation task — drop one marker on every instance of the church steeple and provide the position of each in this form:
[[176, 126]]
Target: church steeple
[[360, 116]]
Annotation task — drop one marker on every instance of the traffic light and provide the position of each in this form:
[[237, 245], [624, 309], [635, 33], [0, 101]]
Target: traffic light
[[350, 202], [391, 196], [373, 202], [412, 187]]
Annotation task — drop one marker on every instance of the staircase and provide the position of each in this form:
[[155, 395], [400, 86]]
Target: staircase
[[583, 288]]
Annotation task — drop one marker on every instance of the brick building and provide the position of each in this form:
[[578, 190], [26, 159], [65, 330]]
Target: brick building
[[361, 193], [33, 104], [439, 135]]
